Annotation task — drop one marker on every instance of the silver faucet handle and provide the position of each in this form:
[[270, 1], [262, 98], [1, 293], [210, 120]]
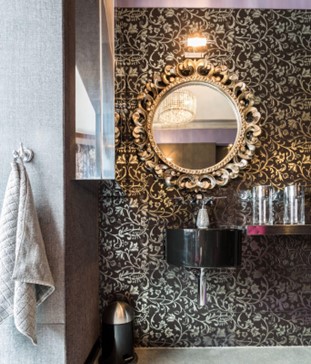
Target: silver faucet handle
[[211, 199]]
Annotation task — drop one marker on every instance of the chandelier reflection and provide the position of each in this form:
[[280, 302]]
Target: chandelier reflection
[[176, 109]]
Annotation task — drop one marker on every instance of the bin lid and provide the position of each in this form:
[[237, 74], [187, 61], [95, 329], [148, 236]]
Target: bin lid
[[117, 313]]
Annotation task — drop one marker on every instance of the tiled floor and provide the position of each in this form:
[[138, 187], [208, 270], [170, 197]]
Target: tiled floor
[[263, 355]]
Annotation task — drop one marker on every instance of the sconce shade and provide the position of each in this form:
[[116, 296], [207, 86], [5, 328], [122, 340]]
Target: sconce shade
[[196, 41]]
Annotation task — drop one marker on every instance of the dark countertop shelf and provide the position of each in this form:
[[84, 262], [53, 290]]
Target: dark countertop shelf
[[253, 230]]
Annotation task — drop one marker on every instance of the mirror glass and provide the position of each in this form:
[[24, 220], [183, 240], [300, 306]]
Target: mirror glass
[[94, 89], [195, 125]]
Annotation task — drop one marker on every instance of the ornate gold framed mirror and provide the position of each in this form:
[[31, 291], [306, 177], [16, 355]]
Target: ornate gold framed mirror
[[196, 125]]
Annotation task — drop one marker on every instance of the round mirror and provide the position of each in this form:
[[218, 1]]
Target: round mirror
[[195, 126]]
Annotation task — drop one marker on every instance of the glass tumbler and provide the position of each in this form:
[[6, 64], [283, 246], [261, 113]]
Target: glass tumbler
[[262, 205], [294, 204]]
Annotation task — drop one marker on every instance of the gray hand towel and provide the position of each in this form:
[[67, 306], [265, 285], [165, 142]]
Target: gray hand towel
[[25, 276]]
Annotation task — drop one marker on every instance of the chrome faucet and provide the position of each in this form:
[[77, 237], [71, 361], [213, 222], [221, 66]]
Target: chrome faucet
[[203, 221]]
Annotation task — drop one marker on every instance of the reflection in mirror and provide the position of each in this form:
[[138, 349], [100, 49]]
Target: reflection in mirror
[[94, 89], [196, 104], [195, 125]]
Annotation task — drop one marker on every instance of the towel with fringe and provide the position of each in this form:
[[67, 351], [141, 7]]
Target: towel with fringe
[[25, 276]]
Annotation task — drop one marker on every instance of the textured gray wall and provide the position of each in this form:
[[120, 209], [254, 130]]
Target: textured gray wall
[[32, 99], [31, 109]]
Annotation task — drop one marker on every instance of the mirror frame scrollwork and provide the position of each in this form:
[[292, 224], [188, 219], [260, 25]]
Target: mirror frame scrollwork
[[204, 72]]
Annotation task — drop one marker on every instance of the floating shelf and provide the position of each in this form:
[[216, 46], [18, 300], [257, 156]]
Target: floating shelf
[[278, 229]]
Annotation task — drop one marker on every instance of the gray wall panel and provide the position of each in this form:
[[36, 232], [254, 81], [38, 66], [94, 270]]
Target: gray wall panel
[[31, 109], [14, 349]]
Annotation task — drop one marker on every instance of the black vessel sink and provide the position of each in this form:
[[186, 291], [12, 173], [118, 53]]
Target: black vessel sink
[[200, 248]]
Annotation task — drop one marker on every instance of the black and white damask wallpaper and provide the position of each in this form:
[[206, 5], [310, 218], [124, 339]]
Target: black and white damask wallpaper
[[268, 300]]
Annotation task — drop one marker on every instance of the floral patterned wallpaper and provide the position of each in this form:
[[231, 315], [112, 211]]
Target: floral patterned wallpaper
[[267, 301]]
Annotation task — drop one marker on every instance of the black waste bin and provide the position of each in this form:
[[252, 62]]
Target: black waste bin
[[117, 338]]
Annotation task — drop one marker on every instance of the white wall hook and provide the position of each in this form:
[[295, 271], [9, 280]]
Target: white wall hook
[[24, 154]]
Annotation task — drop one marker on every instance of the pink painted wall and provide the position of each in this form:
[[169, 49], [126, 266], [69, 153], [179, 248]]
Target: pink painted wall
[[252, 4]]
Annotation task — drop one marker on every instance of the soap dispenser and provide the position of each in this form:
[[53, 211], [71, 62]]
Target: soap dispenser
[[202, 218]]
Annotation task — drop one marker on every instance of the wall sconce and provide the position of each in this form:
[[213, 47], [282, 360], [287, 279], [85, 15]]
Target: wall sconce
[[196, 41], [196, 46]]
